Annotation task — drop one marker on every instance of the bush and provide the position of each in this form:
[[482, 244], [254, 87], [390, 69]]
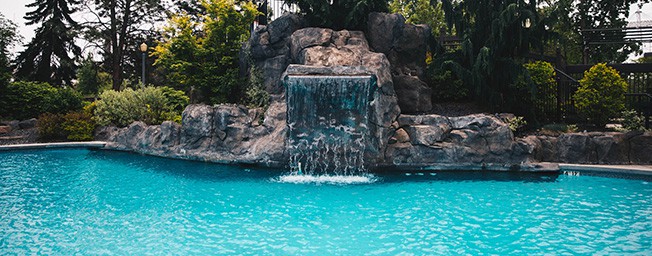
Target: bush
[[23, 100], [78, 126], [152, 105], [601, 94], [49, 127], [446, 86], [632, 121], [543, 75]]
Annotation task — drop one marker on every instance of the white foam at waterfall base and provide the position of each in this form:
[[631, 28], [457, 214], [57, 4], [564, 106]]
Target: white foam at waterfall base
[[327, 179]]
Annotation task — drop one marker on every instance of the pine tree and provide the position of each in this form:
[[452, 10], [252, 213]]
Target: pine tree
[[46, 57]]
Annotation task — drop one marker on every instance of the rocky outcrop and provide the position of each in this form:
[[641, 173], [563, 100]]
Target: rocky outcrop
[[428, 140], [269, 50], [405, 46], [593, 148], [225, 134], [327, 52]]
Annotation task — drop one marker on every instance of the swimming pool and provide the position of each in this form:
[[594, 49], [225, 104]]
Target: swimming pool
[[102, 202]]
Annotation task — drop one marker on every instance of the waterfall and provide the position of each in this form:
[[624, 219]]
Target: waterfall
[[328, 123]]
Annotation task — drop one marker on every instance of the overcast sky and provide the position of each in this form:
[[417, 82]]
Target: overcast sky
[[15, 10]]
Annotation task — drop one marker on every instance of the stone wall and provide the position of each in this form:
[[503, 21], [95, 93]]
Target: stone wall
[[224, 134]]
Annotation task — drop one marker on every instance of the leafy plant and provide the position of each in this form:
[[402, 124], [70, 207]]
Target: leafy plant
[[152, 105], [49, 127], [446, 86], [79, 126], [556, 129], [420, 12], [200, 55], [601, 94], [516, 123], [256, 96], [23, 100], [632, 121], [543, 75]]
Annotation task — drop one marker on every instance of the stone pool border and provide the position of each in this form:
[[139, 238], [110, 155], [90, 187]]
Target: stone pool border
[[531, 167]]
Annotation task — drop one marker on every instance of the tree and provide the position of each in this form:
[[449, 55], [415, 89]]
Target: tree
[[420, 12], [339, 14], [567, 19], [200, 54], [8, 37], [46, 57], [118, 28], [90, 79], [496, 37]]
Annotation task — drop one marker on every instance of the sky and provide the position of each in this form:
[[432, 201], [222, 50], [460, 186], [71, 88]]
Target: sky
[[15, 10]]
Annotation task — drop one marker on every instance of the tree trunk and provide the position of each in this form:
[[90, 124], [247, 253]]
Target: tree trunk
[[116, 68]]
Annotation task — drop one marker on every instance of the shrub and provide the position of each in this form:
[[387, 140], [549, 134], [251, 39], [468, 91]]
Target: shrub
[[49, 127], [152, 105], [601, 94], [557, 129], [255, 95], [446, 86], [23, 100], [632, 121], [78, 126], [543, 75]]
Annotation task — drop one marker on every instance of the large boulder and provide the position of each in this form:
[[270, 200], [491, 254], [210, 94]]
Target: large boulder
[[268, 50], [405, 46], [473, 139], [413, 94]]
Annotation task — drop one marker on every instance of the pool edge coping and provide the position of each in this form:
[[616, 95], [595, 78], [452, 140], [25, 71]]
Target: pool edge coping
[[83, 144]]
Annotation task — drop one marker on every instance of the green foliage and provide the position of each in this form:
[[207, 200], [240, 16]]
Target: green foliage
[[339, 14], [446, 86], [200, 56], [601, 94], [516, 123], [152, 105], [79, 126], [8, 37], [23, 100], [256, 96], [542, 74], [566, 18], [555, 129], [420, 12], [90, 80], [494, 45], [49, 127], [632, 121], [46, 58]]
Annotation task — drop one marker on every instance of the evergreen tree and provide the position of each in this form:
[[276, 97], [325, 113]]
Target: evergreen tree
[[46, 58], [339, 14], [8, 38]]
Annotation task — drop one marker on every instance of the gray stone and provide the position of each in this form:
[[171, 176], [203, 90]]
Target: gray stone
[[197, 129], [641, 149], [12, 123], [27, 124], [413, 94]]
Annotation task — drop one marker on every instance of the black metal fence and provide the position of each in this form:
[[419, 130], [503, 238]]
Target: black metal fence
[[276, 8], [639, 93]]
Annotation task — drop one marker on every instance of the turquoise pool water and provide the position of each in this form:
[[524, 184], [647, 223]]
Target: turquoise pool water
[[67, 202]]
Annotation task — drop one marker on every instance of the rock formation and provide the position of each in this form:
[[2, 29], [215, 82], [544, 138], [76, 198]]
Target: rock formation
[[405, 46]]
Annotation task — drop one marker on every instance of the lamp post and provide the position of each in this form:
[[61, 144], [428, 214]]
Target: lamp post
[[143, 49]]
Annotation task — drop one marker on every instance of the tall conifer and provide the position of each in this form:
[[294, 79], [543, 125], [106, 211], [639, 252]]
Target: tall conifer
[[46, 57]]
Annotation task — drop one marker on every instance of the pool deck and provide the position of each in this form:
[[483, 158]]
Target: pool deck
[[619, 169], [84, 144]]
